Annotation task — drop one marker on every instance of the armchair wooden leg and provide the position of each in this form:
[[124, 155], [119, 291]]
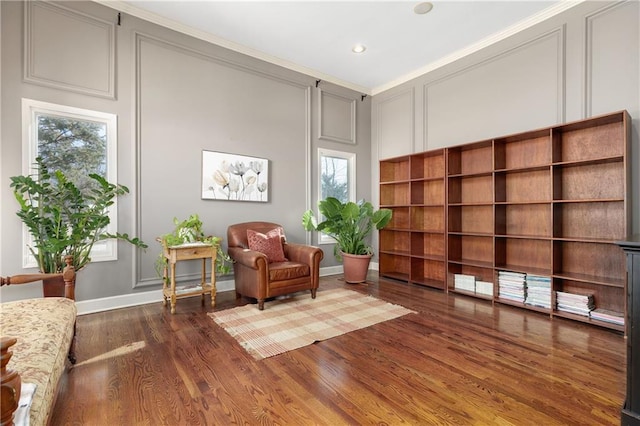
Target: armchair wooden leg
[[238, 295], [261, 304], [313, 293]]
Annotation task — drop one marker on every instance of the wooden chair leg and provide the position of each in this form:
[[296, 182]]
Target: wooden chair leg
[[313, 293], [261, 304]]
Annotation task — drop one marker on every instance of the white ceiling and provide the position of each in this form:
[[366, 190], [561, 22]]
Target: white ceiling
[[316, 37]]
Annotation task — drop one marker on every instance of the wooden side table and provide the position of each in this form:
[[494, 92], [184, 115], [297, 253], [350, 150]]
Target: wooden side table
[[189, 251]]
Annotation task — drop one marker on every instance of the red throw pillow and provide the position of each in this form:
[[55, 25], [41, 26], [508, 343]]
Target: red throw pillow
[[270, 244]]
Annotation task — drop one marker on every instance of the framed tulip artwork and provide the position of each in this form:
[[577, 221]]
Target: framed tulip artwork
[[231, 177]]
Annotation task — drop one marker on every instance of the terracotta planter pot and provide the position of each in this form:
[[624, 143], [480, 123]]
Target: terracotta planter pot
[[355, 267]]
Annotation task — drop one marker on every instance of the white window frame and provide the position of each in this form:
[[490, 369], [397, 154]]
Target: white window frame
[[102, 251], [351, 158]]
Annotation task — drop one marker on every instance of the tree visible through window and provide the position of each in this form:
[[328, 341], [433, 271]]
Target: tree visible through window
[[78, 142], [77, 147], [337, 178]]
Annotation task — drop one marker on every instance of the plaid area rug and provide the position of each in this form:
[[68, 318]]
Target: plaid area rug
[[293, 322]]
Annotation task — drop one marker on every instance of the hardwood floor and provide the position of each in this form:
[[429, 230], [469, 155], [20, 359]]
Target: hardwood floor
[[457, 361]]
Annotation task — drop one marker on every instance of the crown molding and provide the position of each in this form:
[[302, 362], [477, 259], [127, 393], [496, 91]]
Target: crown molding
[[124, 7], [545, 14], [488, 41]]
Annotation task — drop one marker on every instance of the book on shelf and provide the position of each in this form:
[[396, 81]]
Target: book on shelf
[[511, 298], [538, 291], [484, 287], [515, 275], [464, 282], [538, 281], [607, 315], [511, 286], [579, 304], [538, 301]]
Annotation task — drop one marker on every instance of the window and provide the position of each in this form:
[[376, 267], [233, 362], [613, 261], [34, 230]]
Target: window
[[337, 179], [78, 142]]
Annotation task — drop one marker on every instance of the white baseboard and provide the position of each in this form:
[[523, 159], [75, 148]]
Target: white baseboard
[[135, 299], [155, 296]]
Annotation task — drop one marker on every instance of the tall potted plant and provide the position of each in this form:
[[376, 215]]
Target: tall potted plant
[[62, 219], [350, 224]]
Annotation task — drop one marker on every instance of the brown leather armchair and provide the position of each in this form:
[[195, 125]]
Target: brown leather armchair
[[257, 278]]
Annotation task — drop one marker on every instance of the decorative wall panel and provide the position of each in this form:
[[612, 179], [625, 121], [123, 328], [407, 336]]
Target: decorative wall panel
[[479, 101], [68, 50], [612, 58], [337, 118], [395, 128], [189, 101]]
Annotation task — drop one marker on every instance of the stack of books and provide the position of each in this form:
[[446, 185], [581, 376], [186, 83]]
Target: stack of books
[[511, 286], [538, 291], [579, 304], [464, 282], [608, 316]]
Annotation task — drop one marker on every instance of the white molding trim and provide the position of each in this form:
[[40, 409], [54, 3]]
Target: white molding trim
[[352, 174], [135, 299], [411, 92], [202, 35], [352, 122], [219, 41], [588, 56], [102, 251], [486, 42], [155, 296], [558, 32], [138, 39], [307, 161], [107, 26]]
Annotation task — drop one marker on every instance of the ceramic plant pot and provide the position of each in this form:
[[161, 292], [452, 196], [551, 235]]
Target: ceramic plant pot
[[355, 267]]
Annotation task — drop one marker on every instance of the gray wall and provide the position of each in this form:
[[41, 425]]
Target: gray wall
[[174, 97], [581, 63]]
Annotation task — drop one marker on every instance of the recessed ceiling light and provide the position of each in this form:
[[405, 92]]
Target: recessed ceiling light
[[422, 8], [359, 48]]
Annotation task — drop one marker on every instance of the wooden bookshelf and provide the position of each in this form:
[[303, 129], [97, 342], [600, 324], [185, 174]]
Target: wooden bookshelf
[[412, 246], [549, 202]]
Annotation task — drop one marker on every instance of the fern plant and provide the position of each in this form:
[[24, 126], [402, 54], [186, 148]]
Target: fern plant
[[63, 220], [190, 231]]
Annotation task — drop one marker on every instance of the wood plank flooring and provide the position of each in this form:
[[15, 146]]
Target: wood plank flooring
[[457, 361]]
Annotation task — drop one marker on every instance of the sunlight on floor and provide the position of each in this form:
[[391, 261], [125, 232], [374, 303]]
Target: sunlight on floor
[[132, 347]]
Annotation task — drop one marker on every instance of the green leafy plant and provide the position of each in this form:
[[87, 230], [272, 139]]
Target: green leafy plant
[[64, 220], [190, 231], [348, 223]]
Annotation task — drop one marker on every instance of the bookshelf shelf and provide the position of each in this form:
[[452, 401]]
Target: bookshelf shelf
[[395, 170], [550, 202]]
